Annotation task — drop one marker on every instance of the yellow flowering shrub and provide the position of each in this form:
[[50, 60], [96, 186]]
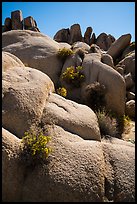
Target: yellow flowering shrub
[[62, 91], [64, 53], [74, 76], [36, 144]]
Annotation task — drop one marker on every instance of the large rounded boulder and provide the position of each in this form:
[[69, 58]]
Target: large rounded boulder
[[9, 60], [24, 94], [35, 50], [73, 117], [119, 45], [95, 70]]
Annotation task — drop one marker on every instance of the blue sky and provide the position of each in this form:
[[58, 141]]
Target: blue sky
[[115, 18]]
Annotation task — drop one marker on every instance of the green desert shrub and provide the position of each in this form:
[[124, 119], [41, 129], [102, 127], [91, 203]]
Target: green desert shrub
[[123, 122], [95, 96], [64, 53], [107, 123], [62, 91], [73, 76], [35, 147], [110, 122]]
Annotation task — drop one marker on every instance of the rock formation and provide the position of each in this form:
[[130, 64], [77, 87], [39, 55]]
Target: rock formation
[[87, 35], [43, 52], [16, 22], [119, 46], [62, 35], [84, 166], [104, 41], [74, 34]]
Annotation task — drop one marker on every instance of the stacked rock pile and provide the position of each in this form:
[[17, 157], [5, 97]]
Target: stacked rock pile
[[16, 22]]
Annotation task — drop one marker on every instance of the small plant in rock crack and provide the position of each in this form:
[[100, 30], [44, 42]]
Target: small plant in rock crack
[[35, 148], [64, 53], [74, 76], [107, 123], [62, 91]]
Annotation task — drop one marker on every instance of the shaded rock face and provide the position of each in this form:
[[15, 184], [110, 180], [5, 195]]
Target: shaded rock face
[[30, 24], [16, 19], [130, 49], [128, 64], [93, 39], [75, 34], [130, 96], [16, 22], [69, 35], [104, 41], [119, 46], [129, 81], [130, 108], [87, 35], [62, 35], [7, 24], [126, 67]]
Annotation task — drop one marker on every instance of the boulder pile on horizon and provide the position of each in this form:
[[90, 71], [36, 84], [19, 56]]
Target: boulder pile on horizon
[[83, 166], [17, 22]]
